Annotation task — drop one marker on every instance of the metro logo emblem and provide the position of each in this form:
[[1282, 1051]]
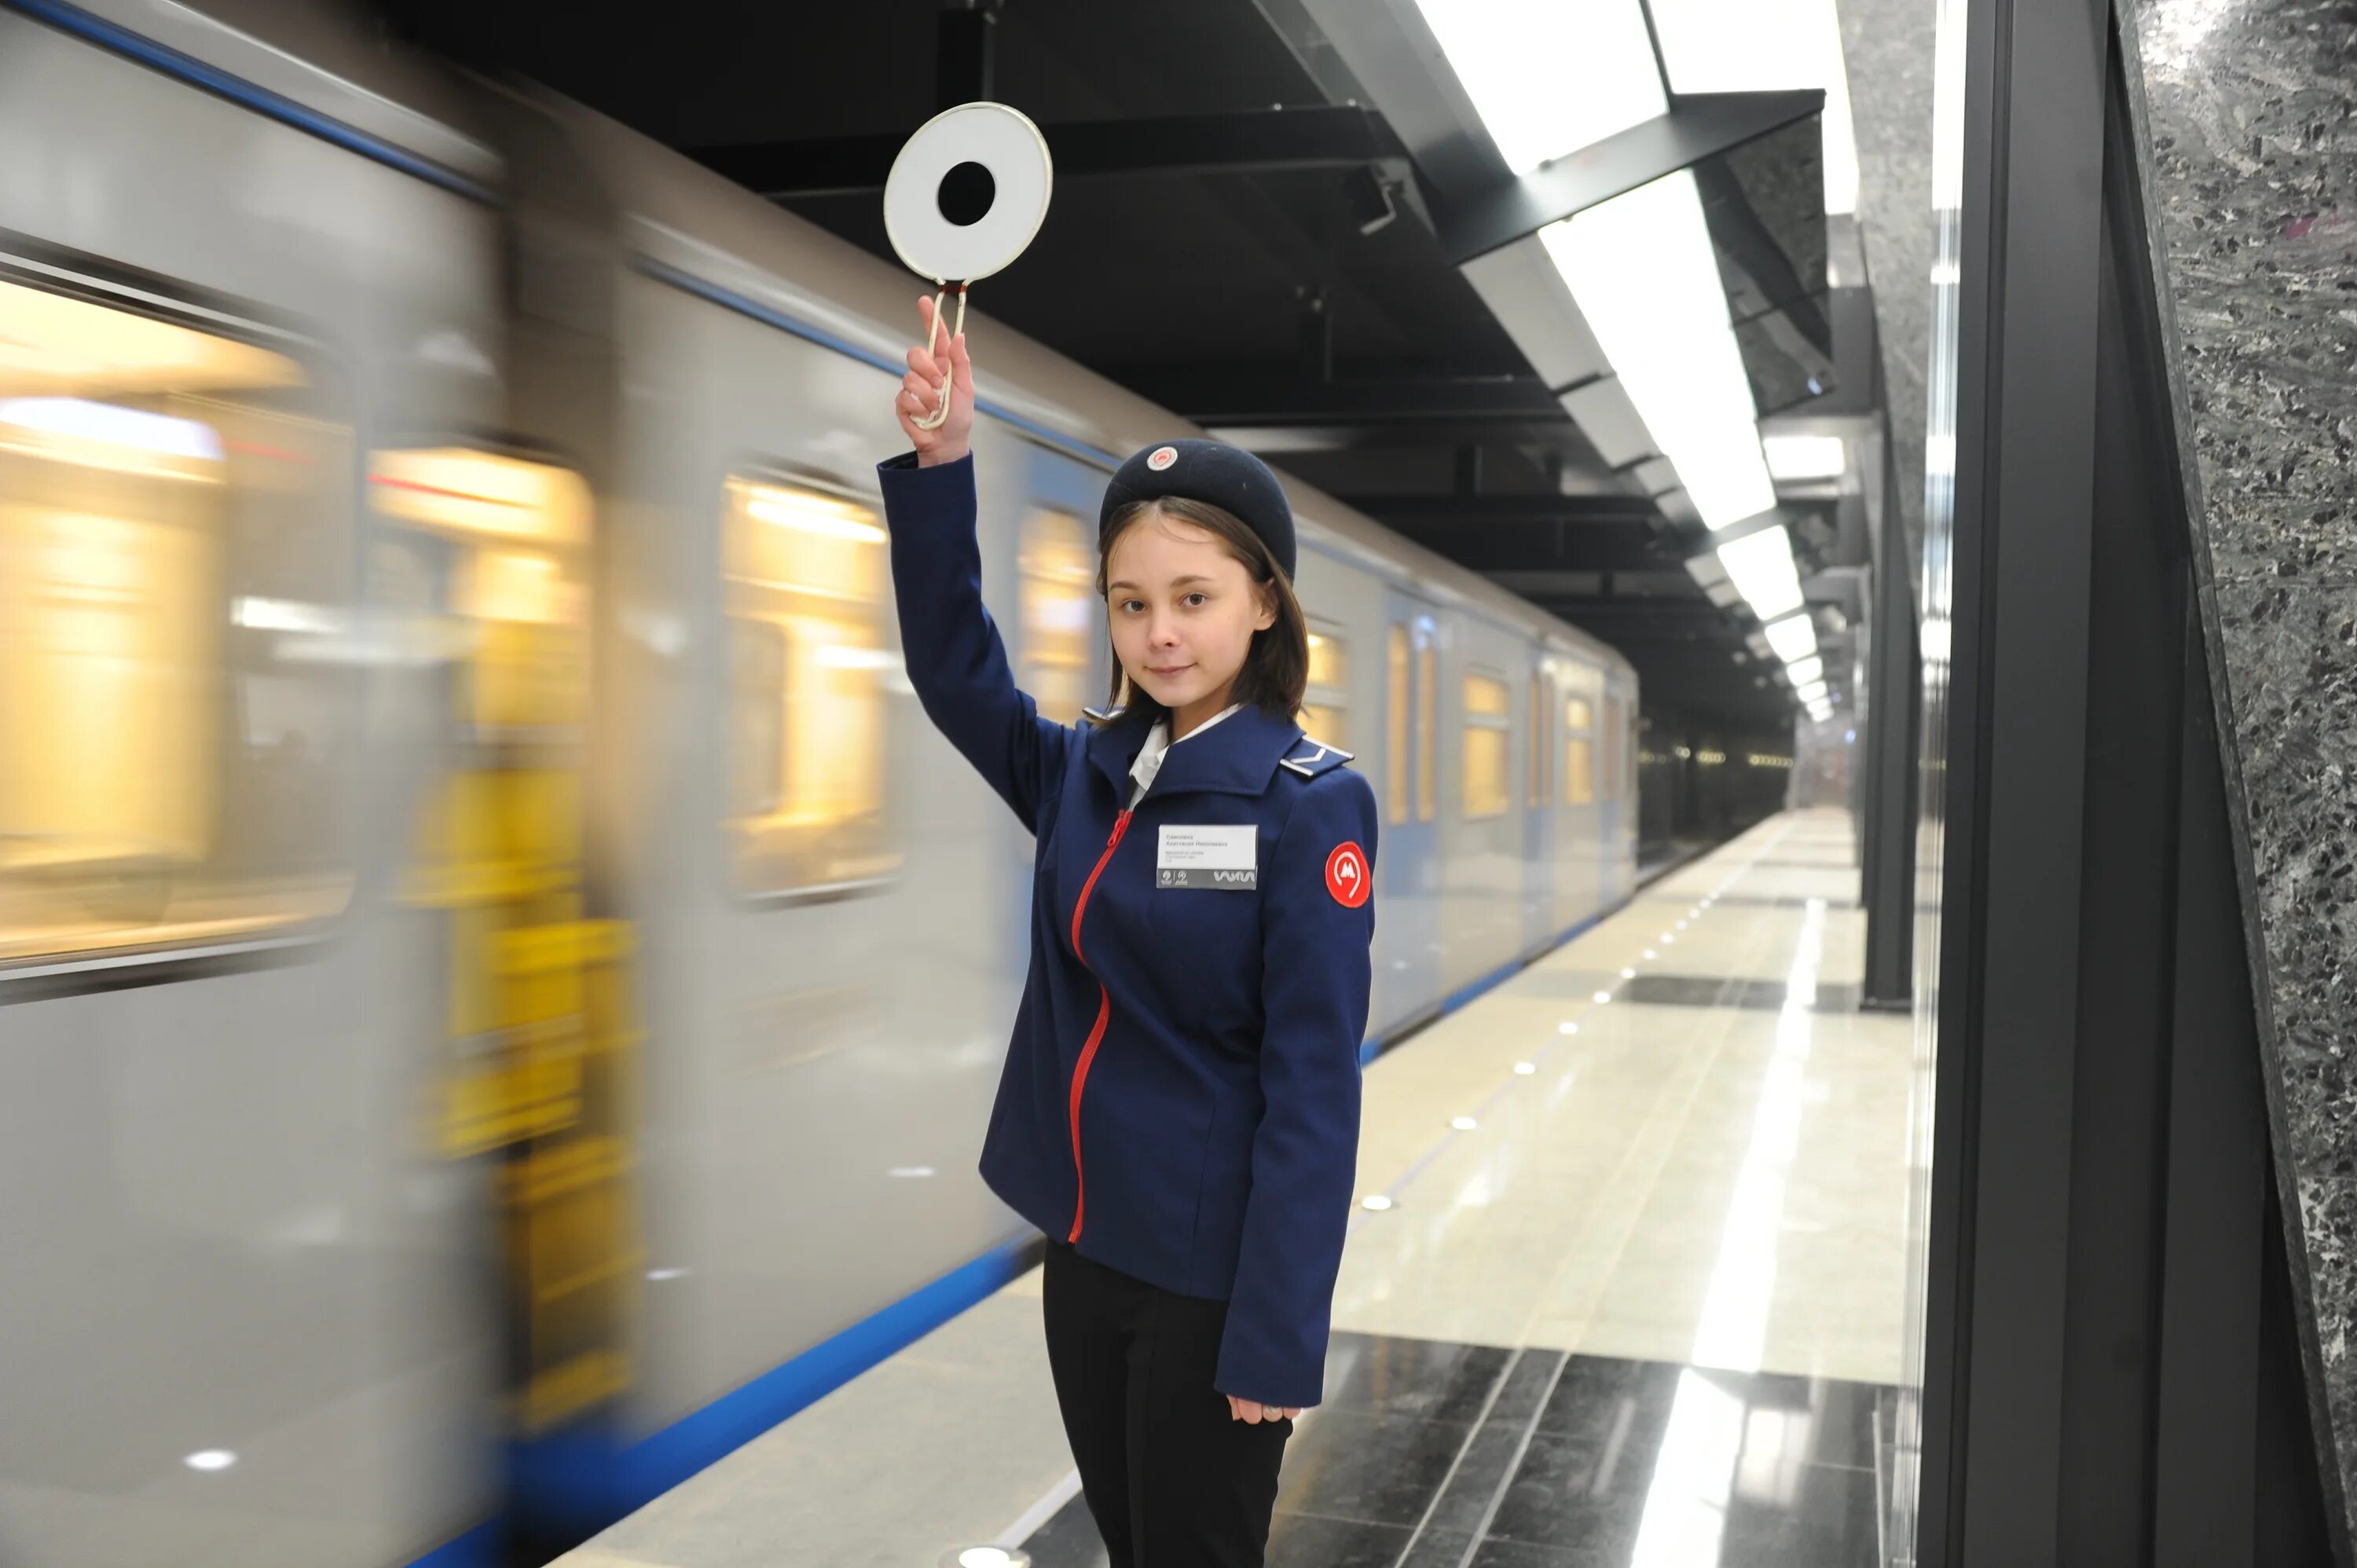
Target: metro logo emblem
[[1346, 876]]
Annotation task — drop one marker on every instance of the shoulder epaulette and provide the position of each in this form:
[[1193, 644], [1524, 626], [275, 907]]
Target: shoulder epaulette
[[1103, 716], [1313, 756]]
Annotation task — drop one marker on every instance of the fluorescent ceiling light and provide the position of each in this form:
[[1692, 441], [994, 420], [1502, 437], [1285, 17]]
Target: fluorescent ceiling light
[[1814, 694], [1761, 565], [1549, 79], [1793, 639], [1758, 45], [1802, 670], [1806, 457], [1645, 276]]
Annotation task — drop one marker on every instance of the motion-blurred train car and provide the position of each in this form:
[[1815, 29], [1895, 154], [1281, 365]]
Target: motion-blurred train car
[[501, 988]]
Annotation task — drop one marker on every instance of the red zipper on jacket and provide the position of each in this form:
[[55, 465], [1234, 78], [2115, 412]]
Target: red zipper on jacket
[[1096, 1032]]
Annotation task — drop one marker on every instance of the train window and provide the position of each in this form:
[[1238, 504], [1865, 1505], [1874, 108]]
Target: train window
[[804, 577], [1396, 737], [175, 711], [1486, 727], [1325, 716], [1059, 569], [1427, 678], [1579, 753]]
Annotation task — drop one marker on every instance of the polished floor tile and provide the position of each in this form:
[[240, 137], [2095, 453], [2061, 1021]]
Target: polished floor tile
[[1583, 1462]]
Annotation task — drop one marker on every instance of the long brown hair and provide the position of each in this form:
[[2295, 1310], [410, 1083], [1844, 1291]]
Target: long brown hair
[[1276, 676]]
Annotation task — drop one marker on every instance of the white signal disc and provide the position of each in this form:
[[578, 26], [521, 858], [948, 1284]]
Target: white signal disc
[[1003, 141]]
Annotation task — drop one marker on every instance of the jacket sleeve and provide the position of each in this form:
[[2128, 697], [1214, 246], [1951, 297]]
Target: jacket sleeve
[[1316, 970], [956, 661]]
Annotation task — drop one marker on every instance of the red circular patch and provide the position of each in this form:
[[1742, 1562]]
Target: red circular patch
[[1161, 457], [1346, 876]]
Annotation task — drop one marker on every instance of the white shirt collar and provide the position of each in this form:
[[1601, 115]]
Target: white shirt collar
[[1157, 742]]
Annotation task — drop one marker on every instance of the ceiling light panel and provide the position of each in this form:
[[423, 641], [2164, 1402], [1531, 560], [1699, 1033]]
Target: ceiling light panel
[[1765, 46], [1644, 275], [1549, 79]]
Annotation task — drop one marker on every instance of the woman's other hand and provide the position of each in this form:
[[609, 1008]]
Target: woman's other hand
[[920, 395], [1253, 1413]]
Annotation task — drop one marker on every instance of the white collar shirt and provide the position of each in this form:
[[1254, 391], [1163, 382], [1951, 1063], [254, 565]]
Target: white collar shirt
[[1157, 744]]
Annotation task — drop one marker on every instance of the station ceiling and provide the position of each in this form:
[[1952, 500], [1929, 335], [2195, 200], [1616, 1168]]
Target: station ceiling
[[1234, 234]]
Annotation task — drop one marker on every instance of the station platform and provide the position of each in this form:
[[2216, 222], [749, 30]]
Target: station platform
[[1625, 1287]]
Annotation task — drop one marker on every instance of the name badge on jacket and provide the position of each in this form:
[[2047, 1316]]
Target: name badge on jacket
[[1197, 856]]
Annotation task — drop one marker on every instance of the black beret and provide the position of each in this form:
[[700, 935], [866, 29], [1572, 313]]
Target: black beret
[[1215, 473]]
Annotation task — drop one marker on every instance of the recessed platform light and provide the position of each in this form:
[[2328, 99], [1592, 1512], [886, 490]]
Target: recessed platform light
[[210, 1459], [1378, 1203], [1463, 1124], [1524, 1070], [1602, 997], [1567, 1029], [984, 1557]]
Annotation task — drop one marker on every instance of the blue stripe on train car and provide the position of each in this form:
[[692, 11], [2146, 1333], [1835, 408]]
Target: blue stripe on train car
[[478, 1548]]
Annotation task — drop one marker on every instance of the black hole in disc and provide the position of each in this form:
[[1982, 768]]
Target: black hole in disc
[[966, 194]]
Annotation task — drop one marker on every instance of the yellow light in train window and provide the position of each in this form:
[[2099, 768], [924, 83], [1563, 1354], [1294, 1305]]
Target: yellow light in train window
[[1487, 791], [1057, 561], [1427, 678], [1330, 658], [1578, 713], [809, 670], [174, 769], [481, 494], [815, 513], [53, 345], [1398, 740], [1325, 724]]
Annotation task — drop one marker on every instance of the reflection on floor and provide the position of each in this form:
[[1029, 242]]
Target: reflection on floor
[[1433, 1455], [1630, 1296]]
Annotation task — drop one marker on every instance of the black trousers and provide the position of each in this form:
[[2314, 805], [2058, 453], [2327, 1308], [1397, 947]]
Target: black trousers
[[1173, 1480]]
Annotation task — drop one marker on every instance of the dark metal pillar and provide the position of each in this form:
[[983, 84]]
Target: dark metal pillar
[[965, 33], [1887, 757]]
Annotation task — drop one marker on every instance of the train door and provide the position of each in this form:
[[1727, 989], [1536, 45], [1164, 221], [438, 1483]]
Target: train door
[[1408, 947], [1539, 925]]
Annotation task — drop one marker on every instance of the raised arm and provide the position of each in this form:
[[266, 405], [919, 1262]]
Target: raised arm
[[957, 660]]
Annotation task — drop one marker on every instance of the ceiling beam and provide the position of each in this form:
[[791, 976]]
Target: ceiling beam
[[1275, 395], [1508, 508], [1544, 547], [1255, 142], [1699, 125]]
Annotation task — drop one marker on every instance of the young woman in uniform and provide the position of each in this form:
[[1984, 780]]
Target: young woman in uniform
[[1179, 1109]]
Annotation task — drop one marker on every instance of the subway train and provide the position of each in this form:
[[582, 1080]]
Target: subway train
[[501, 987]]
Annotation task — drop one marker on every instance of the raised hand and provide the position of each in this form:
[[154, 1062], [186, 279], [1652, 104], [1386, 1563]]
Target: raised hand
[[920, 394]]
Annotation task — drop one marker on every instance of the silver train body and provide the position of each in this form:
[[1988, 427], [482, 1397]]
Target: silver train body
[[396, 464]]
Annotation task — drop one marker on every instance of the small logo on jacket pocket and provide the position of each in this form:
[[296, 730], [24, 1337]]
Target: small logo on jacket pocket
[[1346, 876]]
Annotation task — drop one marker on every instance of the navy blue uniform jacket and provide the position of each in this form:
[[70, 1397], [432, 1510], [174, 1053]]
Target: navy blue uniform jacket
[[1180, 1101]]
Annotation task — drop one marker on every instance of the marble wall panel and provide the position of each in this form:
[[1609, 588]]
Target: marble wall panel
[[2248, 113]]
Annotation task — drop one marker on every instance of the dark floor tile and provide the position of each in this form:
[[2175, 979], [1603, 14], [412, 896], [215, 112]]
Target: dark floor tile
[[1522, 1554], [1600, 1396], [1350, 1465], [1826, 1420], [1809, 1517], [1529, 1381], [1482, 1475], [1711, 990], [1422, 1380], [1301, 1540], [1068, 1540], [1569, 1492]]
